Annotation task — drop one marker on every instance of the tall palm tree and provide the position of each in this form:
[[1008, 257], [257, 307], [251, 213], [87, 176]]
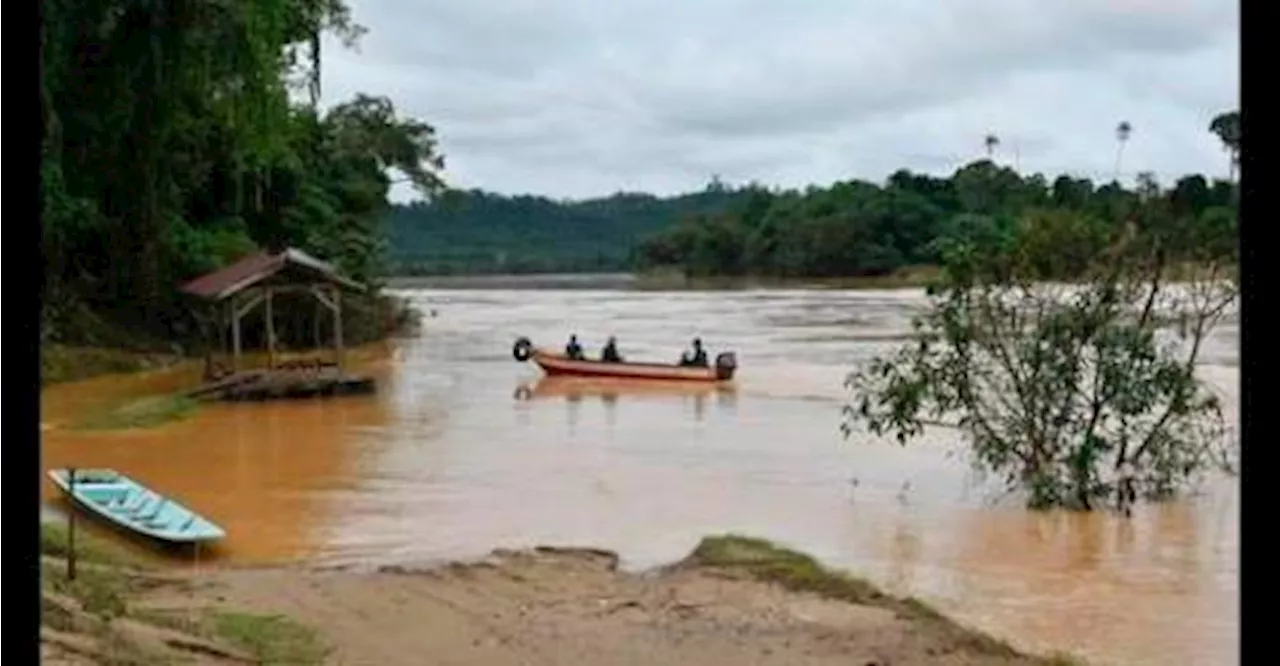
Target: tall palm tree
[[1227, 127], [1123, 131], [991, 141]]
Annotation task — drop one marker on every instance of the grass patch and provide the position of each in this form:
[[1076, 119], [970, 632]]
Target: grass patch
[[56, 617], [273, 639], [101, 592], [102, 584], [142, 413], [63, 363], [54, 542], [767, 561], [119, 650], [181, 620]]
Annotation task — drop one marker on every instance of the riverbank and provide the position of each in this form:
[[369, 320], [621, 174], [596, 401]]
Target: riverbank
[[907, 277], [663, 280], [733, 600], [67, 363]]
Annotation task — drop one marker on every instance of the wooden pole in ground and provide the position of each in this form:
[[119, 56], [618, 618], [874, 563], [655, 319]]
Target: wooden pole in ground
[[222, 332], [315, 328], [271, 333], [337, 327], [206, 334], [235, 336], [71, 525]]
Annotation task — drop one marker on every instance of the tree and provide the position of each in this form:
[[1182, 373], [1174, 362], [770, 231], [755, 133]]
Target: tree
[[172, 147], [1227, 128], [1082, 396], [990, 142], [1190, 196], [1068, 192], [1123, 131]]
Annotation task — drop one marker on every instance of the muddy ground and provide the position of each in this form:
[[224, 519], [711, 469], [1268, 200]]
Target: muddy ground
[[734, 601]]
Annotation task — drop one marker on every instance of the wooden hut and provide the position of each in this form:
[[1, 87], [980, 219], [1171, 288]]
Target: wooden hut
[[231, 293]]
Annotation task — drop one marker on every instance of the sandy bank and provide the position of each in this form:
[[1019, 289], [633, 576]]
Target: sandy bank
[[732, 601]]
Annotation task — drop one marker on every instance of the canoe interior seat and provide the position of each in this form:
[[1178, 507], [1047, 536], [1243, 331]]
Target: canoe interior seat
[[173, 515], [159, 506], [126, 502], [106, 494], [143, 503]]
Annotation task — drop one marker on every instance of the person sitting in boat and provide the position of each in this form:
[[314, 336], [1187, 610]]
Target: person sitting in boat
[[610, 352], [573, 350], [697, 357]]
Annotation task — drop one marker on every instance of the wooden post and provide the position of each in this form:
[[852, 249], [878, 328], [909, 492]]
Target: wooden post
[[223, 347], [237, 313], [271, 333], [71, 525], [206, 329], [315, 326], [235, 336], [337, 327]]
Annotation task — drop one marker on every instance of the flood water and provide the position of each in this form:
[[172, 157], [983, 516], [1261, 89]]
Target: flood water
[[464, 450]]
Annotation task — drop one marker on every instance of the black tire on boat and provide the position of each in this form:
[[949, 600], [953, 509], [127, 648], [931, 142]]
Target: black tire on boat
[[523, 350]]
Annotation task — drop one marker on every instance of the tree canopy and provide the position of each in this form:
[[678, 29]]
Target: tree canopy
[[857, 228], [174, 143]]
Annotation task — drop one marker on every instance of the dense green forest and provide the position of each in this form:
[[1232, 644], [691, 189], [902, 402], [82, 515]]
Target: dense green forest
[[481, 232], [857, 228], [851, 228], [174, 142]]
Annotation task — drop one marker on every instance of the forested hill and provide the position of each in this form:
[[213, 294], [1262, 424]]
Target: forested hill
[[481, 232], [847, 229], [857, 228]]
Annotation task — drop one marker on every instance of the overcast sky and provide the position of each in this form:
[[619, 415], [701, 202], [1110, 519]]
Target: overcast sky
[[579, 98]]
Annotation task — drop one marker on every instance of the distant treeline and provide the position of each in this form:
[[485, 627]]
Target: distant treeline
[[848, 229], [856, 228], [475, 232]]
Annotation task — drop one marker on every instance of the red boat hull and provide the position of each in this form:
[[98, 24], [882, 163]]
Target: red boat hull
[[562, 366]]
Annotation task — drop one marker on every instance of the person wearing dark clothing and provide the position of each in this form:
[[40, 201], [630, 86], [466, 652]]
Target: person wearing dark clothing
[[697, 357], [610, 352], [573, 350]]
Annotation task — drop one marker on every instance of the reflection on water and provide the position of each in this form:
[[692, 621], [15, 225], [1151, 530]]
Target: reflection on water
[[573, 390], [463, 450]]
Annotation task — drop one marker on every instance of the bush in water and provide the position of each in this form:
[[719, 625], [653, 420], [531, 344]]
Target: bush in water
[[1082, 394]]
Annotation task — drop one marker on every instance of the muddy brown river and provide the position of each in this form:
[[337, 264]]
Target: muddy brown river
[[464, 450]]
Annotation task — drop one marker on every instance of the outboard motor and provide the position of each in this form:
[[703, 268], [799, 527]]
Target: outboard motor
[[726, 364]]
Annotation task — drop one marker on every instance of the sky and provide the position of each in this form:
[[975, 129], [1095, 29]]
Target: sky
[[583, 98]]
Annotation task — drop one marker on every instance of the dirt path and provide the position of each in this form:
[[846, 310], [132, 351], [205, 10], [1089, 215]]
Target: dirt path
[[554, 607]]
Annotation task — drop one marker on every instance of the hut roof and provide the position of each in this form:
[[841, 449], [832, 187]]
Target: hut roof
[[297, 267]]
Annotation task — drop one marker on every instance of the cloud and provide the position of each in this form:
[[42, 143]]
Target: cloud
[[574, 98]]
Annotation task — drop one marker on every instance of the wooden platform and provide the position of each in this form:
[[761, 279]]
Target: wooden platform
[[279, 384]]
